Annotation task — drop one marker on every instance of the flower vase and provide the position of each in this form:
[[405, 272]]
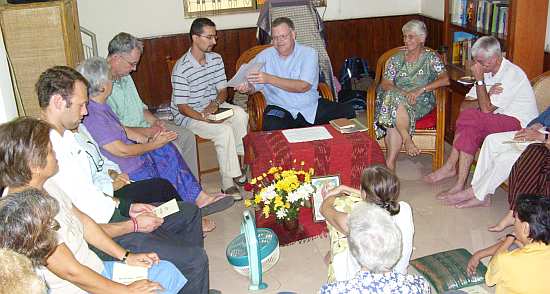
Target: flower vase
[[291, 225]]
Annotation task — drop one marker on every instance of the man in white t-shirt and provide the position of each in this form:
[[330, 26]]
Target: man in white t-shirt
[[503, 100]]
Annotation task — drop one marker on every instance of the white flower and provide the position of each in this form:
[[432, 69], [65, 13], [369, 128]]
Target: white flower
[[269, 193], [281, 213]]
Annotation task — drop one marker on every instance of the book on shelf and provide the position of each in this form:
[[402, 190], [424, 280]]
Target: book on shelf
[[352, 126], [488, 16], [462, 47], [221, 114]]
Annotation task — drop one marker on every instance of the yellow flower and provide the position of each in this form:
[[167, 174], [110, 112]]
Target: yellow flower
[[264, 175], [247, 203], [287, 205], [302, 163], [253, 181], [272, 170], [311, 171], [260, 178], [258, 199], [266, 211]]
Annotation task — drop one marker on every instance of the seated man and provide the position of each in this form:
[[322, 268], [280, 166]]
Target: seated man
[[199, 89], [124, 54], [505, 102], [496, 158], [289, 83], [63, 96]]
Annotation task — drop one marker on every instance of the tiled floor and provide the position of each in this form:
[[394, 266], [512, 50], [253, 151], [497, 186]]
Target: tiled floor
[[301, 268]]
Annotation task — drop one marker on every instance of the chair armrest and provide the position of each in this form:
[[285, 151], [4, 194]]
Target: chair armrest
[[256, 107], [325, 91], [371, 105]]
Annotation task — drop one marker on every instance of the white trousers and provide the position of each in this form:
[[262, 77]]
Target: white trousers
[[186, 146], [495, 162], [228, 141]]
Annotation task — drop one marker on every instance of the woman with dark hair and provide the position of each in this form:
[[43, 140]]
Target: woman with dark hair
[[524, 270], [28, 161], [379, 186]]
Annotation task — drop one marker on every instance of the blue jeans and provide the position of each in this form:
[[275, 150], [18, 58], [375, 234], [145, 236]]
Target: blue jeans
[[164, 273]]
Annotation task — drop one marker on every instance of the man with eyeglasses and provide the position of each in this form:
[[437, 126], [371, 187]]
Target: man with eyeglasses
[[289, 83], [199, 89], [124, 54]]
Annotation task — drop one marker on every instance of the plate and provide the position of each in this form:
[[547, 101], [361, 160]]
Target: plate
[[467, 80]]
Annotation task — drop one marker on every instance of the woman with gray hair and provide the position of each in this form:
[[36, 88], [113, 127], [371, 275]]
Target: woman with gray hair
[[375, 242], [406, 92], [18, 276], [137, 156]]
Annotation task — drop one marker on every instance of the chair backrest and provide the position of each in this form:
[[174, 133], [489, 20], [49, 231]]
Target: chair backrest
[[170, 63], [541, 87]]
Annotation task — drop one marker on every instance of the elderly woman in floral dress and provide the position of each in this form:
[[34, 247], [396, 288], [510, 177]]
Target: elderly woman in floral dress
[[406, 93]]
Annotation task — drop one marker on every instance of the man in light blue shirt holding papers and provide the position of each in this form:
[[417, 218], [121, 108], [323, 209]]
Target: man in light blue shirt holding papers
[[289, 83]]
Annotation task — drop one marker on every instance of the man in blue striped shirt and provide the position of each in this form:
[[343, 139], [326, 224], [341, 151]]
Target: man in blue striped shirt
[[199, 89]]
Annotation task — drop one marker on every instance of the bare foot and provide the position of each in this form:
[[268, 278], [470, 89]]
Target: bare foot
[[390, 165], [208, 225], [439, 175], [505, 222], [411, 148], [456, 189], [458, 197], [474, 202]]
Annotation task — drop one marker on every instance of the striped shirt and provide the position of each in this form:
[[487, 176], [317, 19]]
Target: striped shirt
[[196, 85]]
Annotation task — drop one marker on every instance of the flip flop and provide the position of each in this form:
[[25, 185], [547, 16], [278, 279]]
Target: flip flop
[[223, 203]]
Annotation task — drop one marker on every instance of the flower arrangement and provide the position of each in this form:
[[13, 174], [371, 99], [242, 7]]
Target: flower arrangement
[[281, 192]]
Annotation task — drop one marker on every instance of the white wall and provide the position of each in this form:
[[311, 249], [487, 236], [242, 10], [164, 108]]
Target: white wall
[[145, 18], [8, 110], [433, 8]]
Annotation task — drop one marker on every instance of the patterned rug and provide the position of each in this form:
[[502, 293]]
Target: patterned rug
[[307, 228]]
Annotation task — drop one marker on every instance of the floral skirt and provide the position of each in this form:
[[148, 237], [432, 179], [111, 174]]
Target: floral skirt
[[167, 163], [387, 103]]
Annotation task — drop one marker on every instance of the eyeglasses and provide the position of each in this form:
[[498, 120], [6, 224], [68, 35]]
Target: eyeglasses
[[132, 64], [210, 37], [281, 37], [100, 162], [54, 225]]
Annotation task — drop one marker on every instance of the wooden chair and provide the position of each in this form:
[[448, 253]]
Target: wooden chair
[[256, 102], [170, 63], [430, 130]]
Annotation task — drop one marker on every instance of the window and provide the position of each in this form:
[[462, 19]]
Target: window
[[194, 8]]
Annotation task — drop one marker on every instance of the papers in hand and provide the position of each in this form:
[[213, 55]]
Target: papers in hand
[[127, 274], [167, 208], [307, 134], [221, 114], [243, 72]]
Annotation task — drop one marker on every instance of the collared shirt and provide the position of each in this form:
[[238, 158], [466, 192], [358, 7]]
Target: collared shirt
[[301, 64], [98, 163], [521, 271], [517, 98], [105, 127], [386, 283], [543, 118], [126, 103], [74, 177], [196, 84]]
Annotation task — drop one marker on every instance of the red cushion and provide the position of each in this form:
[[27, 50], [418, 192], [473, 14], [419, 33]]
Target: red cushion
[[428, 121]]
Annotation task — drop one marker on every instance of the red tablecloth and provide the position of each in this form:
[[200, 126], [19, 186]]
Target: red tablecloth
[[345, 154]]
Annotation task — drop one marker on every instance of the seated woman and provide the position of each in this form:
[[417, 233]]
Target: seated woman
[[378, 186], [375, 242], [18, 275], [530, 175], [524, 270], [31, 220], [406, 93], [136, 156], [496, 158]]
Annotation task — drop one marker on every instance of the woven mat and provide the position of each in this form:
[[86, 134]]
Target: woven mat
[[307, 229]]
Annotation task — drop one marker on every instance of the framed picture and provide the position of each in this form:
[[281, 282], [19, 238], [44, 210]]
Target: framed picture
[[329, 182]]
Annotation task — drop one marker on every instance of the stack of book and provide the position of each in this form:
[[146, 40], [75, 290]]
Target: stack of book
[[347, 126], [462, 47], [221, 114]]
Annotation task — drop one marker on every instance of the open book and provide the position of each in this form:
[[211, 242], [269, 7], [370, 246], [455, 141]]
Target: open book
[[221, 114]]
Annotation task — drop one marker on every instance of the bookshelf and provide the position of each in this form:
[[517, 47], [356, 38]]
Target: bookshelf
[[521, 33]]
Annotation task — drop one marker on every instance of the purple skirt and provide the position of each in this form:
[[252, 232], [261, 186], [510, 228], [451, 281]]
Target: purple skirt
[[167, 163]]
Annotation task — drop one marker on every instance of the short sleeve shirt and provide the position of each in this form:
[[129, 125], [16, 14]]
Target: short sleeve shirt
[[126, 103], [302, 64], [517, 98], [195, 84], [104, 125]]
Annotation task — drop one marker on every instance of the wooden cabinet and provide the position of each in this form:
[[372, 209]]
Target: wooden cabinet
[[523, 44], [38, 36]]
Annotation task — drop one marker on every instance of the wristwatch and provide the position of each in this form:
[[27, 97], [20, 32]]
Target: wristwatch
[[480, 83]]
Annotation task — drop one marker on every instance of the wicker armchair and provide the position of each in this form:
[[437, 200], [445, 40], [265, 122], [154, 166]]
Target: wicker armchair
[[256, 102], [430, 130]]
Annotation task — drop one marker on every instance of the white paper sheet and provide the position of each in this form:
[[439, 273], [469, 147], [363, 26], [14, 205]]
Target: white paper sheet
[[127, 274], [243, 72], [167, 208], [307, 134]]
